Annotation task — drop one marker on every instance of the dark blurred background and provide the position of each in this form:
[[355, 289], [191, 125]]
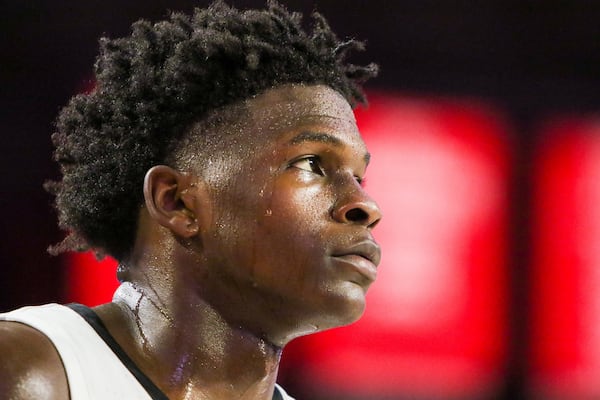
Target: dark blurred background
[[529, 62]]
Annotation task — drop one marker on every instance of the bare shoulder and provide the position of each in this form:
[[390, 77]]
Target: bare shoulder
[[30, 367]]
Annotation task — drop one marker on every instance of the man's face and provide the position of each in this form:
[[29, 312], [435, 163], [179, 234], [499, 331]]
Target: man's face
[[290, 249]]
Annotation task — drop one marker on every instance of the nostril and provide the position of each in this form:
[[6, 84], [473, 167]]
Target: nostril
[[372, 225], [357, 215]]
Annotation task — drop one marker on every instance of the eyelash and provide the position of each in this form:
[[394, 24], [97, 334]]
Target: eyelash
[[314, 163]]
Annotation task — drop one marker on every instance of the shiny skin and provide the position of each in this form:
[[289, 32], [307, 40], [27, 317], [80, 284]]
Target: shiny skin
[[31, 367], [284, 210]]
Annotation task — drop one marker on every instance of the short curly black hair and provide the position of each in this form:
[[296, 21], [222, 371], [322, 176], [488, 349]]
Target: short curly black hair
[[150, 88]]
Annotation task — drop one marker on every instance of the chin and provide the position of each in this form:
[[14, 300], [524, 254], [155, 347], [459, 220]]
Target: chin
[[338, 312], [346, 308]]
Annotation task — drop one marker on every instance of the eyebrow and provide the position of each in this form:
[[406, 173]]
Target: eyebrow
[[321, 138], [315, 137]]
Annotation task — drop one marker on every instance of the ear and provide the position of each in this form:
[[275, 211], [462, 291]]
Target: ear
[[170, 200]]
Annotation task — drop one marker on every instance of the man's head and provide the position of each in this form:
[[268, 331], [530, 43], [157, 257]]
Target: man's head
[[152, 87], [279, 238]]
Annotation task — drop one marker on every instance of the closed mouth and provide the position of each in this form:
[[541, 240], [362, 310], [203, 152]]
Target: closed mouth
[[367, 249], [363, 257]]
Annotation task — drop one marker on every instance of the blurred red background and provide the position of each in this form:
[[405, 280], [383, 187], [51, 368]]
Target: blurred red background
[[485, 133]]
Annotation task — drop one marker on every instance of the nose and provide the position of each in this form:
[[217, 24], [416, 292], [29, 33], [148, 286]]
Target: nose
[[357, 207]]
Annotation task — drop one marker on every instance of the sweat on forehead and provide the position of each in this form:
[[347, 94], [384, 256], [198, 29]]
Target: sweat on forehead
[[287, 103], [240, 126]]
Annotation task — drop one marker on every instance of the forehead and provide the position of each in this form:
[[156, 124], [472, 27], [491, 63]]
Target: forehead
[[301, 100], [284, 108]]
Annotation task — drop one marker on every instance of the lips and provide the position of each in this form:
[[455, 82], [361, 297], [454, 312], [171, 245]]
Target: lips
[[363, 257]]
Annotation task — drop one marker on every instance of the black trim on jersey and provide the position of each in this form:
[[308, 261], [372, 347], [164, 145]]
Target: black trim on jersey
[[277, 394], [95, 322]]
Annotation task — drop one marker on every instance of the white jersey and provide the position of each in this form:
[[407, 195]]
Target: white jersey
[[97, 368]]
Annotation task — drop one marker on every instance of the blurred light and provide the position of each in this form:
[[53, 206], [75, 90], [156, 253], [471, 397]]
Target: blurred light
[[565, 300], [89, 281]]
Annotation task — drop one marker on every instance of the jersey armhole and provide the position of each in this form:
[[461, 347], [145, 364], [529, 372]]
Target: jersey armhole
[[96, 323]]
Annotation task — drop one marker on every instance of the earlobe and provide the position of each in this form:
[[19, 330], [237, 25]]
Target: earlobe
[[169, 199]]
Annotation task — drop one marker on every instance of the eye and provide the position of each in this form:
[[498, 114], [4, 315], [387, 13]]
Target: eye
[[311, 164]]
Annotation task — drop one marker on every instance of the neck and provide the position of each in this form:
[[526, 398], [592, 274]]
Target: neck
[[186, 347]]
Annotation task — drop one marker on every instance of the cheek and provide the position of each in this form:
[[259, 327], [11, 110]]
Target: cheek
[[294, 211], [242, 224], [273, 232], [292, 231]]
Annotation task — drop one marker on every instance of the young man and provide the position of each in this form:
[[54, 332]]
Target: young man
[[219, 161]]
